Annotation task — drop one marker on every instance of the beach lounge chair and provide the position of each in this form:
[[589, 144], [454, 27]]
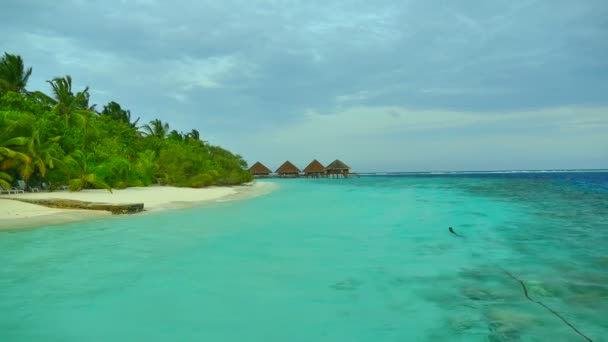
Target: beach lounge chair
[[13, 190], [5, 190], [21, 187]]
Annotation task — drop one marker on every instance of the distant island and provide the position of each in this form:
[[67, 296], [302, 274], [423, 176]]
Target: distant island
[[62, 140]]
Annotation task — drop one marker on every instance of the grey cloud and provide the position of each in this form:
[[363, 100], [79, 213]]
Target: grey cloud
[[289, 57]]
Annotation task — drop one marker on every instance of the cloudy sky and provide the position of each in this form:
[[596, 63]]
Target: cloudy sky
[[407, 85]]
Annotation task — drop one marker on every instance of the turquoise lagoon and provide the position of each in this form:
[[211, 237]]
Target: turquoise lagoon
[[359, 259]]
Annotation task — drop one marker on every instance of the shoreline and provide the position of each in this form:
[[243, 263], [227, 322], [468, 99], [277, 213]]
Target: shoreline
[[20, 215]]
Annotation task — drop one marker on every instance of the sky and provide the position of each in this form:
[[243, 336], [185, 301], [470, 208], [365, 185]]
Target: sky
[[403, 85]]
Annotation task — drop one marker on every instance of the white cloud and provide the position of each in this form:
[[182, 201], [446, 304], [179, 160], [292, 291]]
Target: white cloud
[[365, 121], [354, 97], [189, 73], [454, 91], [69, 53]]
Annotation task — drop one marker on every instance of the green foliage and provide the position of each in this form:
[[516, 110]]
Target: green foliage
[[119, 173], [31, 104], [60, 139], [84, 172], [43, 153], [201, 180], [147, 168], [194, 164]]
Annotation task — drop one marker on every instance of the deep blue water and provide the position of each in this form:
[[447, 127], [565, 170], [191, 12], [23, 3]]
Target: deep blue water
[[359, 259]]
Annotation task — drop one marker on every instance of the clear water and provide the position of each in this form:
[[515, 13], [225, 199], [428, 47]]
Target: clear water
[[362, 259]]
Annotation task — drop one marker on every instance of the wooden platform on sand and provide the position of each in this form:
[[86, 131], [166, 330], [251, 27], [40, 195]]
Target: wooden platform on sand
[[116, 209]]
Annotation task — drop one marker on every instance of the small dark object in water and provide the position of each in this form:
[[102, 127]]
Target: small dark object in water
[[453, 232]]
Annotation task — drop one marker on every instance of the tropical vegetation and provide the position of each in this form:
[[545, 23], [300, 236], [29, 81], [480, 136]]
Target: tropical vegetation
[[61, 139]]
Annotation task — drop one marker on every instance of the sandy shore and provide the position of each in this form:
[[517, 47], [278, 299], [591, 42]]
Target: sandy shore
[[15, 214]]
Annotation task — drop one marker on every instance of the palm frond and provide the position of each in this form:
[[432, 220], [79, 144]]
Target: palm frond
[[5, 178], [97, 183]]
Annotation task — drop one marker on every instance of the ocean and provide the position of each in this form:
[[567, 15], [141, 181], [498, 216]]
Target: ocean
[[366, 258]]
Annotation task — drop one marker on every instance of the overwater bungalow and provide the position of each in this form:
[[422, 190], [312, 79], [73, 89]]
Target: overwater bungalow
[[288, 170], [337, 168], [259, 170], [314, 169]]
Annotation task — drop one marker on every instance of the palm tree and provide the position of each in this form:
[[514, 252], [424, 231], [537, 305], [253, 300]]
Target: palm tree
[[113, 110], [84, 172], [28, 154], [13, 74], [73, 107], [194, 134], [148, 168], [176, 136], [85, 101], [42, 153], [119, 171], [156, 128]]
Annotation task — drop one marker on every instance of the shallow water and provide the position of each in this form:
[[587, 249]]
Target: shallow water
[[361, 259]]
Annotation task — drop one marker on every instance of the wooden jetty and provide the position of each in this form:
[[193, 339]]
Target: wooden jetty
[[117, 209]]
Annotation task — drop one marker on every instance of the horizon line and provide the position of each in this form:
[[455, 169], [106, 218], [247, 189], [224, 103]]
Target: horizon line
[[486, 171]]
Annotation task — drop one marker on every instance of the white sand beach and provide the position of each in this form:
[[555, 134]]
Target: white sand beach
[[15, 214]]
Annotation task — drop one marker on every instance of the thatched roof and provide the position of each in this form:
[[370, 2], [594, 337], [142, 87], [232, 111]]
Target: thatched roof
[[337, 165], [259, 169], [288, 168], [315, 167]]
